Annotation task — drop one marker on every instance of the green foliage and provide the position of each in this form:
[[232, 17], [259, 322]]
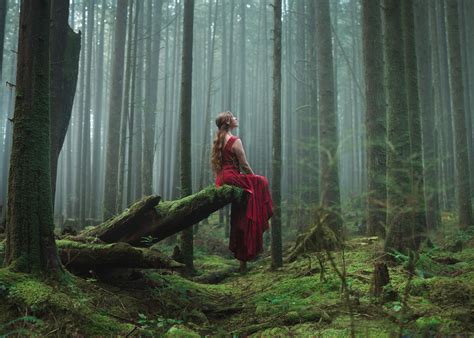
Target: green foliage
[[148, 240], [158, 324], [429, 325], [22, 326]]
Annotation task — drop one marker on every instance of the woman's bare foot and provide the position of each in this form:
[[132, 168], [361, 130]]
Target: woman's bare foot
[[243, 267]]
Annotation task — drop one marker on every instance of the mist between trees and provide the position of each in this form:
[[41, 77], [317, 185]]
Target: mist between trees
[[128, 99]]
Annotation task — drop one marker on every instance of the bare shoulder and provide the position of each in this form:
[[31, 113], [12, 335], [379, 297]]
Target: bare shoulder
[[237, 144]]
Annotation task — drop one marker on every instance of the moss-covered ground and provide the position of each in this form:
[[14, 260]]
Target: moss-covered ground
[[290, 301]]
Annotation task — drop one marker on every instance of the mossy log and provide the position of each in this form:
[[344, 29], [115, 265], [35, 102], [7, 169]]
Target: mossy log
[[160, 219], [77, 256]]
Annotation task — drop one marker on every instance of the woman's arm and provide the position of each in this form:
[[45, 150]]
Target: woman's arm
[[238, 149]]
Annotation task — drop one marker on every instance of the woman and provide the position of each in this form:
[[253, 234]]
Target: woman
[[249, 218]]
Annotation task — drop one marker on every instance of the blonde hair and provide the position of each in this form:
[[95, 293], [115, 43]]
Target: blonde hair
[[223, 123]]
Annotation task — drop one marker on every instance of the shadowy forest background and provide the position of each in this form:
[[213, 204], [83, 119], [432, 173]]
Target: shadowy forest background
[[384, 131], [360, 113]]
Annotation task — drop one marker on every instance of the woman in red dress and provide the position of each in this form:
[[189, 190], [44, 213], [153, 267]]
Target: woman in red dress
[[249, 218]]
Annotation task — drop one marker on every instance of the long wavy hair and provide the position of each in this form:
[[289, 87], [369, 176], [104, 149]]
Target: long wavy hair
[[223, 123]]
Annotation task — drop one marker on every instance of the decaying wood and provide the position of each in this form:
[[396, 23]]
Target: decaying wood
[[84, 257], [380, 278], [158, 219]]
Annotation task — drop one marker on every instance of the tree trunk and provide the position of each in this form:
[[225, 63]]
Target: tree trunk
[[457, 95], [30, 245], [115, 109], [85, 165], [329, 179], [65, 47], [83, 257], [375, 117], [277, 259], [206, 144], [151, 94], [413, 105], [381, 278], [124, 121], [243, 85], [185, 126], [98, 114], [158, 220], [427, 115], [400, 230], [3, 13]]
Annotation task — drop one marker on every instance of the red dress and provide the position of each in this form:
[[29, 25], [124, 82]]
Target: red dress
[[249, 218]]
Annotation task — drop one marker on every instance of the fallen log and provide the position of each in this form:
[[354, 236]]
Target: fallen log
[[77, 256], [82, 257], [153, 220]]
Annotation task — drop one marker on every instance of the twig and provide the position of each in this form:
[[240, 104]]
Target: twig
[[128, 334]]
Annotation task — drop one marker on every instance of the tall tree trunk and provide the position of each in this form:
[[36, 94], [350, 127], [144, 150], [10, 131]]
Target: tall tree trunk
[[115, 109], [400, 228], [427, 114], [98, 114], [30, 245], [329, 179], [243, 85], [277, 260], [230, 68], [151, 94], [123, 163], [375, 117], [86, 140], [3, 13], [413, 105], [79, 124], [131, 116], [185, 126], [447, 122], [65, 47], [457, 95], [203, 181]]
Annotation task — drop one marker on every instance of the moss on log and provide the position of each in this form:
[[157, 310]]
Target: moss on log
[[160, 219], [84, 257]]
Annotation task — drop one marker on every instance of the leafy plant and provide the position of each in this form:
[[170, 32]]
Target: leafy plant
[[160, 324], [19, 326], [148, 240]]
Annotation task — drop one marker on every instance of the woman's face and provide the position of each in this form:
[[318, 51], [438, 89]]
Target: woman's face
[[234, 122]]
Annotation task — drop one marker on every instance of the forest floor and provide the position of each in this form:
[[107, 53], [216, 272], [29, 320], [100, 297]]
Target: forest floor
[[290, 301]]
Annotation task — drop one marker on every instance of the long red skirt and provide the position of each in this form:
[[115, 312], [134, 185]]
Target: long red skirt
[[249, 218]]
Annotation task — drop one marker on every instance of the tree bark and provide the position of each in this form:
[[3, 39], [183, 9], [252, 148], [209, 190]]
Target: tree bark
[[380, 277], [115, 109], [150, 217], [430, 158], [457, 95], [185, 127], [151, 94], [98, 114], [85, 165], [30, 245], [400, 230], [276, 246], [329, 178], [375, 117], [65, 47], [83, 257], [413, 105], [3, 13]]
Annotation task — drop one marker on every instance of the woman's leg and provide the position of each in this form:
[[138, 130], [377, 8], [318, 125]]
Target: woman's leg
[[243, 267]]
